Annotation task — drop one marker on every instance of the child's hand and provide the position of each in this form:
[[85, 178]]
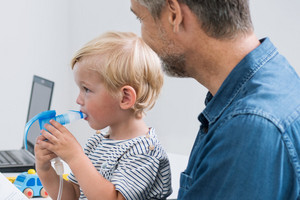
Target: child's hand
[[42, 155], [61, 142]]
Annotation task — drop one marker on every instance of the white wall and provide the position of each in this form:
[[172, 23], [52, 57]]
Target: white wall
[[39, 37], [34, 39], [279, 20]]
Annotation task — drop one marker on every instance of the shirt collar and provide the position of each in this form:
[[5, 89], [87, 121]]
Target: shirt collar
[[247, 67]]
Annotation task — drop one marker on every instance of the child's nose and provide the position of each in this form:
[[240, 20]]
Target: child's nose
[[79, 100]]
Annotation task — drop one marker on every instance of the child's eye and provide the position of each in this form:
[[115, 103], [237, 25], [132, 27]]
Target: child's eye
[[86, 89]]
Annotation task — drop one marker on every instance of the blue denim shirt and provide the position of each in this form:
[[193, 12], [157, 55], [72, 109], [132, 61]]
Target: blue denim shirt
[[248, 145]]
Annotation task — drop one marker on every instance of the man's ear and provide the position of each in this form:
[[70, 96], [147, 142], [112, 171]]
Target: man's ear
[[175, 14], [128, 97]]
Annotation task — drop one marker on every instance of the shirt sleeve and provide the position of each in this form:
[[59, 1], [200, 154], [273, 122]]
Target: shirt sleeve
[[245, 158], [135, 178], [90, 146]]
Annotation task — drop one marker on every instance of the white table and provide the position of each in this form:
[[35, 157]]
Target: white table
[[178, 164]]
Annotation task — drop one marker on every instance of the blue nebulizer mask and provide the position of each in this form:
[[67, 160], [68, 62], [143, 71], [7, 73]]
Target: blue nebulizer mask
[[46, 116], [63, 119]]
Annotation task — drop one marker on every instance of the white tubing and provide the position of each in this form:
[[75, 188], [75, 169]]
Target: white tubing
[[59, 168], [61, 184]]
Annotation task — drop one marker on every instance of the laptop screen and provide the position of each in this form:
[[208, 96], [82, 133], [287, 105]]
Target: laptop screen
[[40, 100]]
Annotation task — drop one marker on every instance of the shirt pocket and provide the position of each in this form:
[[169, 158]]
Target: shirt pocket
[[185, 183]]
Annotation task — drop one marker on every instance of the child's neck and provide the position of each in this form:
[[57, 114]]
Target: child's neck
[[128, 129]]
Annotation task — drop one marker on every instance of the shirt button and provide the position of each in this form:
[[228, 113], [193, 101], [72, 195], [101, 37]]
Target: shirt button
[[103, 166], [151, 147]]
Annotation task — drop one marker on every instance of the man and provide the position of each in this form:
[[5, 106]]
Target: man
[[248, 145]]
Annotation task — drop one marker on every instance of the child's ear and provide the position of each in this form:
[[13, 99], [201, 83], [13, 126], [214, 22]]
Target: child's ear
[[128, 97]]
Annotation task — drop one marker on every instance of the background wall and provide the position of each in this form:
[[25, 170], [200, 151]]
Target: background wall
[[39, 37], [34, 39]]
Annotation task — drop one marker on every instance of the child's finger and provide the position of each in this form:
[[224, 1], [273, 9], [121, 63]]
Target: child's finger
[[53, 130], [46, 146], [50, 155], [40, 138], [52, 138], [58, 126]]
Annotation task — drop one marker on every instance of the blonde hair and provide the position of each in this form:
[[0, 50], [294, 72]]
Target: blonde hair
[[127, 60]]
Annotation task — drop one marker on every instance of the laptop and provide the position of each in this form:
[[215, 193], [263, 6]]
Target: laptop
[[40, 100]]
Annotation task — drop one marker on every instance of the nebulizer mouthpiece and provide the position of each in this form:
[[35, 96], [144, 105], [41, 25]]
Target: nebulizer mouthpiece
[[63, 119]]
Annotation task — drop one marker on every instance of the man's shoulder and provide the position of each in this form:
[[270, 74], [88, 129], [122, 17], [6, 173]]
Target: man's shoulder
[[269, 94]]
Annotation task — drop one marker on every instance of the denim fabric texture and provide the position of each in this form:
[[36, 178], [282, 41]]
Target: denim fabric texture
[[248, 145]]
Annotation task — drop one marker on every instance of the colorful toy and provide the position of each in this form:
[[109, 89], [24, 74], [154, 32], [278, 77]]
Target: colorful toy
[[30, 184], [11, 179]]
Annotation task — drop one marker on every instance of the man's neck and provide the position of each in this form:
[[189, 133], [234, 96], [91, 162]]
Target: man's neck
[[215, 59]]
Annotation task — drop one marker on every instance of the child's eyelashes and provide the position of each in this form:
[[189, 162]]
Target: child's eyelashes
[[86, 89]]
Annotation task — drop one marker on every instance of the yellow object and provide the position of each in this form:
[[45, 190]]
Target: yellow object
[[11, 179], [31, 171], [65, 176]]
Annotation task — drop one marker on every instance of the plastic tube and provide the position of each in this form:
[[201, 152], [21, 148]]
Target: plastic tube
[[61, 184], [42, 115], [59, 168], [46, 116]]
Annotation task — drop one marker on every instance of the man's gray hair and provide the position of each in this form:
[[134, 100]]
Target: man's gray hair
[[220, 19]]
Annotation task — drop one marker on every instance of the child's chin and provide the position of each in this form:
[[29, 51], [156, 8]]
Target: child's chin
[[93, 126]]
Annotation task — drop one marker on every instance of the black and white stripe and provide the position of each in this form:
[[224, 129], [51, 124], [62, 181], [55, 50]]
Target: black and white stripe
[[136, 171]]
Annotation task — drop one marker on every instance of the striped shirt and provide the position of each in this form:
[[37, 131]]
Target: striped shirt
[[139, 168]]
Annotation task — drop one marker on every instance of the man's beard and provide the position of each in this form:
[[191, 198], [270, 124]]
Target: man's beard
[[174, 65], [173, 62]]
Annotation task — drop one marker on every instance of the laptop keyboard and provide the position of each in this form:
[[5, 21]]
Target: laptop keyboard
[[3, 161], [6, 157]]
